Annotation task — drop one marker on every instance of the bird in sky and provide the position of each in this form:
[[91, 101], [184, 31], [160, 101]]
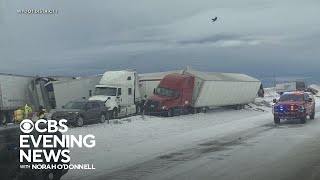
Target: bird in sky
[[214, 19]]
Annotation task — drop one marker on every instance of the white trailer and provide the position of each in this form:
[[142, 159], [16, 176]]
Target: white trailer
[[14, 92], [61, 92], [195, 91], [222, 89]]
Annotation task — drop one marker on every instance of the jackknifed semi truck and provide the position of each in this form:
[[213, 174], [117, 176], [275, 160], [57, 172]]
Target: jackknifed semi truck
[[195, 91], [124, 92], [61, 92]]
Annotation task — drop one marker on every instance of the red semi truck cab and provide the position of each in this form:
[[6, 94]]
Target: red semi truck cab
[[173, 95]]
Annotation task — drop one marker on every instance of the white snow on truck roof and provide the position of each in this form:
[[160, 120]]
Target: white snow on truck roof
[[217, 76]]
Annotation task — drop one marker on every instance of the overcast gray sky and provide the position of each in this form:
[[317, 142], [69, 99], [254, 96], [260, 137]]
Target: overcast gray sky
[[89, 37]]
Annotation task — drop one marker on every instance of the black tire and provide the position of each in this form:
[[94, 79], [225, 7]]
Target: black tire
[[312, 115], [115, 113], [205, 110], [102, 118], [276, 120], [303, 120], [170, 113], [193, 110], [186, 111], [79, 121]]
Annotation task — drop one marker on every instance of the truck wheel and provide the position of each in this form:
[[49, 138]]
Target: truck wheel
[[193, 110], [303, 120], [115, 113], [102, 118], [138, 110], [79, 121], [170, 113], [237, 107], [312, 115], [186, 111], [276, 120]]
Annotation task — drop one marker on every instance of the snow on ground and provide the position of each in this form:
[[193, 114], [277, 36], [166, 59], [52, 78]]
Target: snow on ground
[[122, 145], [287, 151]]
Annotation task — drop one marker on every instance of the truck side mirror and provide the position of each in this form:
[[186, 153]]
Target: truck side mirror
[[310, 99], [274, 101], [90, 93], [109, 97], [154, 91]]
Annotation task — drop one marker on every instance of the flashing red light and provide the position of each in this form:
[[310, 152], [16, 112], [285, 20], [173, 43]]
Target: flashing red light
[[292, 108], [298, 92]]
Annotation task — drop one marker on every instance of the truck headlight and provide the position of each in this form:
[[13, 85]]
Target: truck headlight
[[164, 107]]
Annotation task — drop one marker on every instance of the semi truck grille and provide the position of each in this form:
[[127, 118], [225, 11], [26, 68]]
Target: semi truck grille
[[151, 105]]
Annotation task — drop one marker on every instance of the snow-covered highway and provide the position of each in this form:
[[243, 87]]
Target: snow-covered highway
[[221, 144]]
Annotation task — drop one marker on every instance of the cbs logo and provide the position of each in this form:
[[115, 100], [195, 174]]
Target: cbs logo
[[52, 126], [26, 126]]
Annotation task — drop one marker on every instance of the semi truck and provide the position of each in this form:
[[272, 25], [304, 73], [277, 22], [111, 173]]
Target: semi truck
[[149, 81], [15, 91], [195, 91], [124, 92], [62, 91], [290, 86], [119, 91]]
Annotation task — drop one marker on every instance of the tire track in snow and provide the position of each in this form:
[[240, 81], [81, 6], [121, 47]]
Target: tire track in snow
[[169, 160]]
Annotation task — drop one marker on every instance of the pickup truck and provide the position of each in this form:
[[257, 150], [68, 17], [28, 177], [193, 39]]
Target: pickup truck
[[293, 105]]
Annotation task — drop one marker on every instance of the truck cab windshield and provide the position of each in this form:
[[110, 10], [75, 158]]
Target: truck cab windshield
[[291, 97], [166, 92], [105, 91]]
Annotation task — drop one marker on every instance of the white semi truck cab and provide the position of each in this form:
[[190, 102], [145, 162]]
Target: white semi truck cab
[[120, 92]]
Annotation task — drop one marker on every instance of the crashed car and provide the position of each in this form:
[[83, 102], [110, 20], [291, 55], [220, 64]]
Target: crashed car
[[80, 112]]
